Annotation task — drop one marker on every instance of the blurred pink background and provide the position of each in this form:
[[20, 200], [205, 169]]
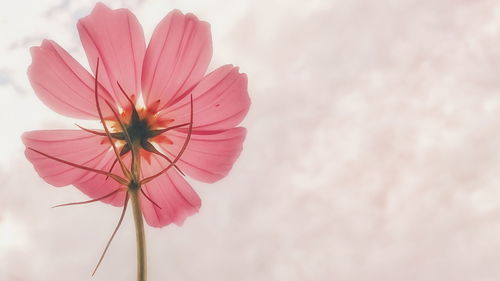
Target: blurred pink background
[[372, 149]]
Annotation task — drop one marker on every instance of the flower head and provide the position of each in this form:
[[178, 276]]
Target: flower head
[[156, 99]]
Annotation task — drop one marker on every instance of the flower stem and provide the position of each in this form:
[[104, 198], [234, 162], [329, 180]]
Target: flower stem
[[140, 236], [134, 190]]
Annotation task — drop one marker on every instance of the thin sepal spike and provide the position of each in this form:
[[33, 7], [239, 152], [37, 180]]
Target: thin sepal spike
[[150, 200], [184, 94], [135, 114], [91, 131], [154, 133], [112, 166], [122, 126], [125, 132], [117, 178], [125, 149], [118, 136], [184, 146], [149, 147], [90, 201], [126, 172], [113, 235]]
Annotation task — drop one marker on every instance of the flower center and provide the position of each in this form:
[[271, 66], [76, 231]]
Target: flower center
[[138, 129], [140, 126]]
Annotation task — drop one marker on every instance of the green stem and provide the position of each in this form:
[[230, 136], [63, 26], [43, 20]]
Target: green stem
[[140, 236], [134, 190]]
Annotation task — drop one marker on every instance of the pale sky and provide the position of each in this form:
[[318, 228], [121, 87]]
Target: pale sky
[[372, 148]]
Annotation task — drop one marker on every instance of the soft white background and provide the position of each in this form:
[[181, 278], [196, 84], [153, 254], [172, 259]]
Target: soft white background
[[373, 148]]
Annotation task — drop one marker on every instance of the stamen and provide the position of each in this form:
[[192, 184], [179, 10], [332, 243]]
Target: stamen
[[113, 176], [149, 147], [188, 137], [150, 200], [122, 165], [90, 201], [113, 235], [154, 133]]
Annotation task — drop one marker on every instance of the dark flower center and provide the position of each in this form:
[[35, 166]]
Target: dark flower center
[[138, 130]]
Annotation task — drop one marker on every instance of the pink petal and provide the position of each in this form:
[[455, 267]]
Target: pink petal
[[117, 39], [208, 157], [78, 147], [62, 83], [171, 192], [177, 57], [220, 101]]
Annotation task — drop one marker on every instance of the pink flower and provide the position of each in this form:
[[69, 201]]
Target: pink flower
[[165, 77]]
